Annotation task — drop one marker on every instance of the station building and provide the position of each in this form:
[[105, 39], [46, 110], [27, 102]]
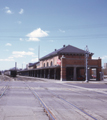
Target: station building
[[65, 64]]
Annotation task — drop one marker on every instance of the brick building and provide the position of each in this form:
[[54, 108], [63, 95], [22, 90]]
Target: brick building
[[66, 63]]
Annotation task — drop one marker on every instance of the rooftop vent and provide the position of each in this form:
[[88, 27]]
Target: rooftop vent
[[63, 45]]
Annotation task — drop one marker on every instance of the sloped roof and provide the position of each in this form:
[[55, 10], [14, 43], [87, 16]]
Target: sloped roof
[[65, 50], [33, 64], [14, 68]]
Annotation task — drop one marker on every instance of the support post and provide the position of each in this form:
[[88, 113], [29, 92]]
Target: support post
[[54, 74], [86, 59], [63, 69], [37, 73], [44, 73], [74, 76], [49, 74]]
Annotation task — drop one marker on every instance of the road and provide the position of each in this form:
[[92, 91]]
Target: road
[[64, 100]]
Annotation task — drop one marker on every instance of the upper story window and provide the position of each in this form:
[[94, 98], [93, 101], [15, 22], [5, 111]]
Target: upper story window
[[47, 64], [44, 64], [51, 63]]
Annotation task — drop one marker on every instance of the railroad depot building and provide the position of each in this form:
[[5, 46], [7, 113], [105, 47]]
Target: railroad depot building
[[66, 63]]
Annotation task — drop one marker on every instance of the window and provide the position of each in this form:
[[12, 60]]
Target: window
[[51, 63], [47, 64], [44, 64]]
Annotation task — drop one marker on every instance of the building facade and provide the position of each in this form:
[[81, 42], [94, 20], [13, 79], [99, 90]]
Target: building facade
[[66, 63]]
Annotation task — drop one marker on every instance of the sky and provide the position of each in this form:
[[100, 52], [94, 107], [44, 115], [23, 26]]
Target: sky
[[27, 24]]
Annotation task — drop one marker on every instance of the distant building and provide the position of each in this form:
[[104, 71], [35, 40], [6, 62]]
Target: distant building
[[27, 65], [30, 66], [105, 65]]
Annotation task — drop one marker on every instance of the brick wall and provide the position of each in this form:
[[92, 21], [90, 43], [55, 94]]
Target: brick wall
[[53, 60]]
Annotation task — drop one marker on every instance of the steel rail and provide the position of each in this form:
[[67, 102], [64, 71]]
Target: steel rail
[[45, 107], [4, 91], [5, 87], [73, 105]]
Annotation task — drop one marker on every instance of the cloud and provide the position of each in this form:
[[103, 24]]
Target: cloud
[[21, 39], [61, 31], [8, 44], [38, 33], [6, 8], [8, 59], [19, 22], [34, 60], [33, 39], [94, 57], [31, 49], [18, 54], [104, 57], [8, 11], [21, 11]]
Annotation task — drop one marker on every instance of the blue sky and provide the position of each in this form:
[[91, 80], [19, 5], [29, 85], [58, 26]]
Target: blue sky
[[27, 24]]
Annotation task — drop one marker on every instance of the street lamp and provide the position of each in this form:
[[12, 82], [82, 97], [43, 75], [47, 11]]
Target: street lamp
[[86, 61]]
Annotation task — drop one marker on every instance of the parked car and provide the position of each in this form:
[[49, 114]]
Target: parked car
[[94, 76], [80, 77]]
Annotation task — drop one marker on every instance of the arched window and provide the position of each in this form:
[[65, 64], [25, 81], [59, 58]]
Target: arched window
[[51, 63], [44, 64], [47, 64]]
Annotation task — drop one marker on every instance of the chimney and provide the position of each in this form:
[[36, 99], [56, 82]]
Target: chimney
[[55, 49], [63, 45]]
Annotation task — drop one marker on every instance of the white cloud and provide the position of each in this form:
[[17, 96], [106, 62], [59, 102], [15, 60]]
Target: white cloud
[[94, 57], [31, 49], [8, 11], [21, 39], [19, 22], [33, 39], [104, 57], [21, 11], [6, 8], [18, 54], [34, 60], [8, 44], [8, 59], [61, 31], [38, 33]]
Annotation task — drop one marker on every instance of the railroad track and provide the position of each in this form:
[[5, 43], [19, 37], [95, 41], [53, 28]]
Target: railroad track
[[3, 86], [46, 109], [3, 90], [58, 99], [88, 115], [49, 111]]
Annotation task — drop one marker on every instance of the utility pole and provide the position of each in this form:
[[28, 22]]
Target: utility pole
[[15, 65], [86, 59], [22, 66], [38, 53]]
